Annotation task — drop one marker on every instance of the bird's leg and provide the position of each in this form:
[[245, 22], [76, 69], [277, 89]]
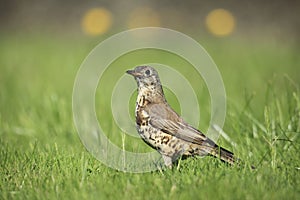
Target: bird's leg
[[167, 161]]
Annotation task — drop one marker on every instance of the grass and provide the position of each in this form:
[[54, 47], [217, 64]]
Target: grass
[[43, 157]]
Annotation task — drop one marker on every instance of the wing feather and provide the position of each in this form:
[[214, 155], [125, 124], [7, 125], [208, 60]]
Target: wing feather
[[167, 120]]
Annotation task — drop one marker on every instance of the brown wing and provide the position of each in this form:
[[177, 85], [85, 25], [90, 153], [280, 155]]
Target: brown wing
[[162, 116], [167, 120]]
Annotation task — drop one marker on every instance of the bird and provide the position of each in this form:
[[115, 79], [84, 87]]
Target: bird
[[163, 129]]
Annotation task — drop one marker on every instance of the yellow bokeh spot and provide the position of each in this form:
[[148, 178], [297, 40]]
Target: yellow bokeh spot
[[96, 21], [220, 22], [143, 16]]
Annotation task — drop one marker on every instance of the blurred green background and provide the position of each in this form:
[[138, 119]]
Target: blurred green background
[[260, 38], [255, 45]]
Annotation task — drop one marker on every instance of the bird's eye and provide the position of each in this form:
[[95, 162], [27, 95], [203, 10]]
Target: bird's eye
[[147, 72]]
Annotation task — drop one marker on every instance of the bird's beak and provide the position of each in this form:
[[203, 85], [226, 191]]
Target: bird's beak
[[133, 73]]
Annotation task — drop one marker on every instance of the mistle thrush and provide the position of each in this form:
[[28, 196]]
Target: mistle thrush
[[162, 128]]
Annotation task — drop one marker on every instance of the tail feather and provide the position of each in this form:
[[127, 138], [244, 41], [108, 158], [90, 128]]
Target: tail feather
[[208, 147], [224, 155], [227, 156], [219, 152]]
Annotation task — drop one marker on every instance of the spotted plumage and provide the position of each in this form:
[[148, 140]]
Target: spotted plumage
[[162, 128]]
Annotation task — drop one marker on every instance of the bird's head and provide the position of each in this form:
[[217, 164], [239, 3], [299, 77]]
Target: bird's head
[[145, 76]]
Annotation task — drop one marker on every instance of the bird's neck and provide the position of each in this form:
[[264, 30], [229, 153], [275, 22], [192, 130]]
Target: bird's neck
[[150, 94]]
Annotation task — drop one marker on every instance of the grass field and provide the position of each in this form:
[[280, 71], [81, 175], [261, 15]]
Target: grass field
[[42, 157]]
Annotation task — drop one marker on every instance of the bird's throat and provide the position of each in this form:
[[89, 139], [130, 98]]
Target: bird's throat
[[149, 95]]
